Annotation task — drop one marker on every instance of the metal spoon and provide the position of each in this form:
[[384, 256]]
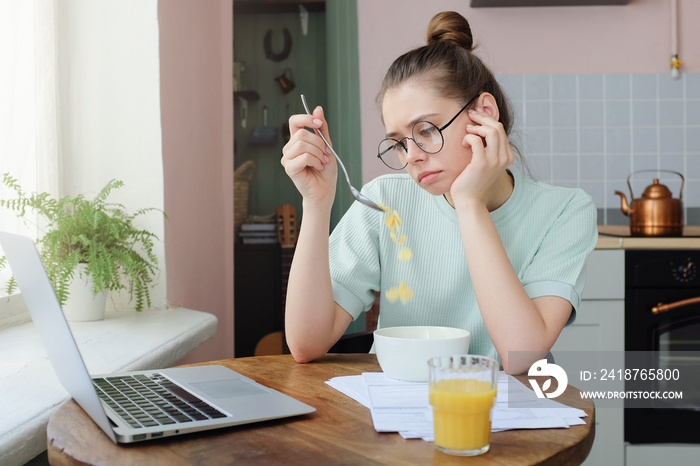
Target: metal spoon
[[355, 193]]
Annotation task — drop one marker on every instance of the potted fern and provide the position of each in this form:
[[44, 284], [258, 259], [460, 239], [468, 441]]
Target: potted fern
[[90, 241]]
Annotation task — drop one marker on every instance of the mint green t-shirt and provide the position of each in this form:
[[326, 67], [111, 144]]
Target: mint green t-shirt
[[547, 232]]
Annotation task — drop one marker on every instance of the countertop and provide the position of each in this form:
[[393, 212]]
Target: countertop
[[618, 237]]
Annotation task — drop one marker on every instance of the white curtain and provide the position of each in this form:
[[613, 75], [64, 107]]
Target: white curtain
[[29, 124]]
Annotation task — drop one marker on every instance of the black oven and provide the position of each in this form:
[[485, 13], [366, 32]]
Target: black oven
[[662, 317]]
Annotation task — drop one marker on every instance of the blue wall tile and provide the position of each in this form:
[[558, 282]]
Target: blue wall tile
[[645, 113], [591, 140], [590, 86], [618, 166], [692, 191], [541, 167], [645, 140], [670, 140], [670, 88], [692, 112], [592, 168], [617, 86], [692, 142], [617, 140], [538, 141], [537, 86], [593, 130], [671, 112], [617, 112], [645, 162], [565, 167], [512, 85], [692, 85], [692, 164], [675, 162], [564, 87], [591, 113], [537, 113], [564, 113], [564, 140], [644, 86]]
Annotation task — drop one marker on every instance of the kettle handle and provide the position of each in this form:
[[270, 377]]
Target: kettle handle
[[680, 194]]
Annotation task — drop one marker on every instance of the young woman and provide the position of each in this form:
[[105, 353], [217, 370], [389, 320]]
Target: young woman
[[494, 251]]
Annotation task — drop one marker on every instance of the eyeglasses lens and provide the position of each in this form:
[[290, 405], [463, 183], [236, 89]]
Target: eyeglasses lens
[[392, 153], [425, 135]]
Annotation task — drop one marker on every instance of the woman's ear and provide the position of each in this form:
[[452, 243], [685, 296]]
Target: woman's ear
[[488, 103]]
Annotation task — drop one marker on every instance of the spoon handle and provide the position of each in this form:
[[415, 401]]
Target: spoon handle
[[340, 162], [355, 193]]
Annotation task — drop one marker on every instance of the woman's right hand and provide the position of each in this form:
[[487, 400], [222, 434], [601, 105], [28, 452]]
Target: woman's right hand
[[307, 160]]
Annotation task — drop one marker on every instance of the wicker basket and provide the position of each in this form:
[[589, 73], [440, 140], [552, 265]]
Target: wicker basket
[[241, 183]]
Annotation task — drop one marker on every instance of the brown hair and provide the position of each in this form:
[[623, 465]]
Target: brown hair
[[447, 63]]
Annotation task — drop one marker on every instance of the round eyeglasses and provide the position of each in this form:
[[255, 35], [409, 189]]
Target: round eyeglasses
[[427, 136]]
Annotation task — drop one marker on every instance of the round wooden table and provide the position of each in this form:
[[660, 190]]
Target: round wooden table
[[339, 432]]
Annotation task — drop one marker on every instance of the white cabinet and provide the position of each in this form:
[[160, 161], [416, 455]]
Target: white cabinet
[[654, 455], [600, 326]]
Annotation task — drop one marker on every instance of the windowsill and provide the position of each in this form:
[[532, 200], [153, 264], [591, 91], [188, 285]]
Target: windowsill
[[120, 342], [13, 311]]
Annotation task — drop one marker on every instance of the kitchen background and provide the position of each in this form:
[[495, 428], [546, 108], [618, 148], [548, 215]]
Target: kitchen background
[[149, 99], [591, 86]]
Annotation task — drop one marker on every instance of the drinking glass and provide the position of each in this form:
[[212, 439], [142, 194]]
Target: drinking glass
[[462, 394]]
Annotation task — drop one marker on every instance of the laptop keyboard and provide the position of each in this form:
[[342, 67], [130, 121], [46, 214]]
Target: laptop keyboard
[[148, 401]]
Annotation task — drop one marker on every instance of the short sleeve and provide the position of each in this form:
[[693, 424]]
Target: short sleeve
[[354, 258], [558, 267]]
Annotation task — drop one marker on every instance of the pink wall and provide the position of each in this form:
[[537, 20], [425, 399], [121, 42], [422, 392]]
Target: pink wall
[[196, 61], [634, 38]]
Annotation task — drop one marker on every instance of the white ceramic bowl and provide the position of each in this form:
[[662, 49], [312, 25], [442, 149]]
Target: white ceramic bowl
[[403, 352]]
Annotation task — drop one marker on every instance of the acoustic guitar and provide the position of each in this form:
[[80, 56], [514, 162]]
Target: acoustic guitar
[[287, 233]]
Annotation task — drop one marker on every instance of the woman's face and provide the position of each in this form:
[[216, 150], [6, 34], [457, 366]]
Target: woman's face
[[409, 103]]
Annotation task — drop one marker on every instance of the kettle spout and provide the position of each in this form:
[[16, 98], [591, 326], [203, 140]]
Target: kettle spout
[[626, 209]]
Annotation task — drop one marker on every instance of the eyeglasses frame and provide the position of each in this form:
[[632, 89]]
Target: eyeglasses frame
[[440, 130]]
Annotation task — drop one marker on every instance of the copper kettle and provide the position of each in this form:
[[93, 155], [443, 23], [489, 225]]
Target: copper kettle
[[657, 212]]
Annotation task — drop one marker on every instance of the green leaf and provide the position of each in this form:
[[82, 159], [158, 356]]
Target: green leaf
[[101, 234]]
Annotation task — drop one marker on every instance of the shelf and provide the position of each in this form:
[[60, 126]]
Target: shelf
[[249, 95], [248, 7], [527, 3]]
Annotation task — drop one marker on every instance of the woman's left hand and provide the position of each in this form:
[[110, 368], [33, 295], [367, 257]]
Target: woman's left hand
[[491, 155]]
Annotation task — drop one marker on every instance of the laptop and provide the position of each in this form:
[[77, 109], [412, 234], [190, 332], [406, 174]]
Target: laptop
[[141, 405]]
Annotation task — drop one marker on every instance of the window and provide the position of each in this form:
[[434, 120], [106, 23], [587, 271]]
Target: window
[[28, 106]]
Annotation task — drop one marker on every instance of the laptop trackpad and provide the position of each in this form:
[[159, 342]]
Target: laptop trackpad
[[229, 388]]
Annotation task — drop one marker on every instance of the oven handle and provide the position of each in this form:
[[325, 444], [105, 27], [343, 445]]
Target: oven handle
[[661, 307]]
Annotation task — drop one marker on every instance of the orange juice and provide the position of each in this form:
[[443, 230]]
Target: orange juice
[[462, 413]]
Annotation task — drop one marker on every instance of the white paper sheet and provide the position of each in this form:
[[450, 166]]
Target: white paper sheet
[[404, 407]]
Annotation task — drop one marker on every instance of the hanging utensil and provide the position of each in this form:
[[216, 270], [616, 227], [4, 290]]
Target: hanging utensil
[[286, 81], [355, 193], [243, 97], [263, 135]]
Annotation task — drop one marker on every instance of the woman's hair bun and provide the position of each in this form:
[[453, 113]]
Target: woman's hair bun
[[450, 27]]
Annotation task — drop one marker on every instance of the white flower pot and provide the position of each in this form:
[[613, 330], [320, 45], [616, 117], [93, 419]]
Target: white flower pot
[[81, 305]]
